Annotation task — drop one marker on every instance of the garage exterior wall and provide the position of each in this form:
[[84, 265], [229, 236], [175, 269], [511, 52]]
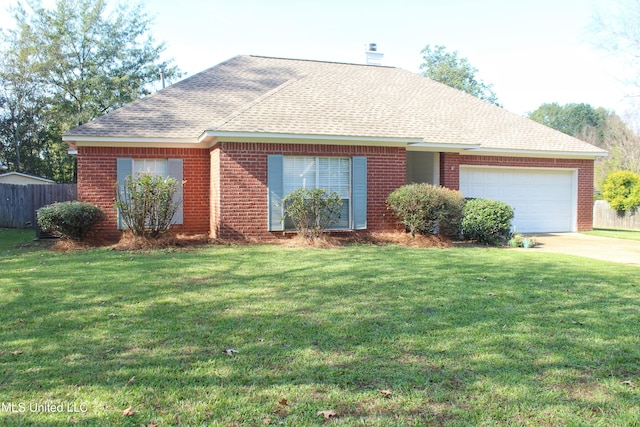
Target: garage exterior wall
[[240, 204], [450, 176]]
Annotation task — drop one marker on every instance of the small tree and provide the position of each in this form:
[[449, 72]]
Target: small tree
[[312, 211], [147, 203], [622, 190]]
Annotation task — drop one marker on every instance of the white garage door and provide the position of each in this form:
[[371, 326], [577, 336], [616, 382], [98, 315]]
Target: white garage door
[[544, 200]]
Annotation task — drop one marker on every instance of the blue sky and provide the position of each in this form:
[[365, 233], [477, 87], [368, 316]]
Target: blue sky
[[532, 51]]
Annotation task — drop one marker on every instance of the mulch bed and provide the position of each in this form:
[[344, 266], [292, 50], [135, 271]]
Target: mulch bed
[[129, 242]]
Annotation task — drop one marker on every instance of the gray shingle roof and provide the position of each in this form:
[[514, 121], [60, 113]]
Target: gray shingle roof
[[250, 94]]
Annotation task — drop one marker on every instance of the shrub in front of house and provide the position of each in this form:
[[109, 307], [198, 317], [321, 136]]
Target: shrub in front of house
[[427, 209], [486, 221], [450, 219], [147, 204], [72, 220], [312, 211], [622, 190]]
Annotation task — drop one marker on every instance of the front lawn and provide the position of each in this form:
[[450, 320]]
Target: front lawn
[[268, 335], [617, 234]]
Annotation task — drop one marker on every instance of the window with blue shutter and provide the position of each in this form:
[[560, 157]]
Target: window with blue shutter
[[343, 175]]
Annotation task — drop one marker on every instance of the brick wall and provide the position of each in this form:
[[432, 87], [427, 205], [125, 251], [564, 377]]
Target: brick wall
[[97, 180], [242, 200], [450, 176]]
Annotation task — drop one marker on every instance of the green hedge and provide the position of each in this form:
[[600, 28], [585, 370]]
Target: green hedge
[[428, 209], [72, 220], [487, 221]]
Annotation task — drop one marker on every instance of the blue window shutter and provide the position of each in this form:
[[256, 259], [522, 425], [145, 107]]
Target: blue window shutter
[[124, 168], [359, 192], [275, 184], [174, 170]]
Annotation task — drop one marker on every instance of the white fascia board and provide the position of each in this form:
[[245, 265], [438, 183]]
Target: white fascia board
[[217, 136], [442, 146], [123, 141], [535, 153]]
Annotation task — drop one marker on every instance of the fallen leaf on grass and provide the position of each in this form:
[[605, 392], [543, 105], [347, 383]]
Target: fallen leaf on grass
[[113, 315], [326, 414], [128, 412], [491, 294], [16, 352], [629, 383], [481, 278], [230, 351], [266, 421], [131, 380], [283, 402], [385, 393], [577, 323]]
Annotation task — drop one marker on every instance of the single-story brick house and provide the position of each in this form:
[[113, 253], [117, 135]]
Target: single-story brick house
[[248, 131]]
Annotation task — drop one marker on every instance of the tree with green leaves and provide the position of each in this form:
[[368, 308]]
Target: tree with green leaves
[[452, 70], [598, 127], [571, 119], [85, 58], [22, 107]]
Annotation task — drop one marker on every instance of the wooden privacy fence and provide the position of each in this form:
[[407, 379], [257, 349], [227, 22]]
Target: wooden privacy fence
[[605, 217], [19, 203]]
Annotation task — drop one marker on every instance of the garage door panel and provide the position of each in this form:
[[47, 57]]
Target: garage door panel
[[543, 200]]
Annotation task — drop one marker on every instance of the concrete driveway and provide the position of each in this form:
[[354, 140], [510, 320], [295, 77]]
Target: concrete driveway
[[603, 248]]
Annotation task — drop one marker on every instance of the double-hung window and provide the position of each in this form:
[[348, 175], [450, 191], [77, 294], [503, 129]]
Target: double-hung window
[[345, 176], [332, 174], [156, 167]]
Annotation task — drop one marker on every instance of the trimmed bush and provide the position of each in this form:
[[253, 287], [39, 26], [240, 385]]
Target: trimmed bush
[[312, 211], [72, 220], [427, 209], [450, 219], [487, 221], [147, 204], [622, 190]]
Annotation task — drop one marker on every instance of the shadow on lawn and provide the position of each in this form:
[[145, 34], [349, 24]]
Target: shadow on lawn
[[452, 328]]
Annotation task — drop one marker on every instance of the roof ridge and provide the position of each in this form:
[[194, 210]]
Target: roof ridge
[[255, 102], [323, 62]]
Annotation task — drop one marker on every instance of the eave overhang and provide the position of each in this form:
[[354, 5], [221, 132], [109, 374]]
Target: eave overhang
[[209, 138]]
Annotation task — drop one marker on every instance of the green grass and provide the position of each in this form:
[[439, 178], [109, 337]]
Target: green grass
[[12, 241], [618, 234], [464, 336]]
